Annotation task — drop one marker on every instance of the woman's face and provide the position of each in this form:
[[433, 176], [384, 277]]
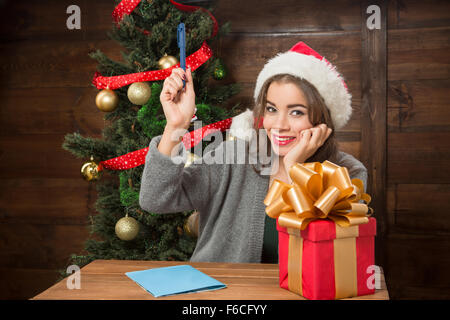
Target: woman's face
[[285, 116]]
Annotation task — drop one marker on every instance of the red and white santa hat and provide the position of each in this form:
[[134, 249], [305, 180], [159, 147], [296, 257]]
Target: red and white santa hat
[[303, 62]]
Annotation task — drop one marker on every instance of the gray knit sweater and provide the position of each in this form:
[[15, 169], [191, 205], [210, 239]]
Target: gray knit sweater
[[229, 198]]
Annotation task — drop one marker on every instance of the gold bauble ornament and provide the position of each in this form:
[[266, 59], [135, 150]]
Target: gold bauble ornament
[[139, 93], [89, 171], [107, 100], [127, 228], [191, 225], [191, 157], [167, 61]]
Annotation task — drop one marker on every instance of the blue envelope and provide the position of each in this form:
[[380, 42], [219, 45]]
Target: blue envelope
[[174, 280]]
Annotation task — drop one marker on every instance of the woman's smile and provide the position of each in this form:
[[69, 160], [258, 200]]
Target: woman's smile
[[282, 140]]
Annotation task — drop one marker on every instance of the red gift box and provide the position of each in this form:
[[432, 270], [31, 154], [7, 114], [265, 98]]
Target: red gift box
[[326, 261], [326, 238]]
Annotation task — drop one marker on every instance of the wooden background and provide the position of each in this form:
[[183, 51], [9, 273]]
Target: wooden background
[[45, 92]]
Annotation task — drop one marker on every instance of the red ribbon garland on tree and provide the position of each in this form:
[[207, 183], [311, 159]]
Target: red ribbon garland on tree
[[194, 61], [190, 139], [137, 158], [127, 6]]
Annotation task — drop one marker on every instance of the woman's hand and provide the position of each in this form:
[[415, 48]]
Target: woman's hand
[[310, 140], [178, 103]]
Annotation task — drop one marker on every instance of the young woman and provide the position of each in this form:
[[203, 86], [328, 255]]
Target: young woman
[[300, 100]]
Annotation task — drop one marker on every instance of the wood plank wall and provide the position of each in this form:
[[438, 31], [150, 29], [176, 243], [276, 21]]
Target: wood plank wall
[[45, 93], [418, 148]]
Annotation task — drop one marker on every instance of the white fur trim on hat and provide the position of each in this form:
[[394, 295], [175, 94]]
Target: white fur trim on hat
[[242, 125], [320, 74]]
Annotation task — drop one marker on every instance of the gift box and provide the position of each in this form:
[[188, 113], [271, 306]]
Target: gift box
[[325, 232], [326, 261]]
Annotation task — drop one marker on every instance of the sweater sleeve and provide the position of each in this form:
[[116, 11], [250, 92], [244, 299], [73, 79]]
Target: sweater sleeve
[[167, 186], [355, 167]]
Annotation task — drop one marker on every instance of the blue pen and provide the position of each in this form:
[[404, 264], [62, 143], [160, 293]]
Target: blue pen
[[181, 39]]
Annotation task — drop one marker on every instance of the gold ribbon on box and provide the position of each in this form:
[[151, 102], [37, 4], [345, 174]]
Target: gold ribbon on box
[[321, 191]]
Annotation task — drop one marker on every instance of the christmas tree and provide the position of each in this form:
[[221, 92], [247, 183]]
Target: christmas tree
[[120, 229]]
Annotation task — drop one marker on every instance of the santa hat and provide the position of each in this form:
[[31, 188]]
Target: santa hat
[[303, 62]]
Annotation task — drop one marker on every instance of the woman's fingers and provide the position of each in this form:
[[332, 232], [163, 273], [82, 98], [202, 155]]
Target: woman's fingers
[[180, 75], [166, 94], [315, 136], [327, 135], [175, 83], [189, 80], [171, 89], [306, 135], [298, 152], [310, 140], [320, 134], [177, 77], [179, 72]]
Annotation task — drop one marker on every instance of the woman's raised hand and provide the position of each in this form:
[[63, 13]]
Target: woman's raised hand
[[310, 140], [178, 103]]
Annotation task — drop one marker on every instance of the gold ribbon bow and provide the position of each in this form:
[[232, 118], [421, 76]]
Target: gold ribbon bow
[[319, 191]]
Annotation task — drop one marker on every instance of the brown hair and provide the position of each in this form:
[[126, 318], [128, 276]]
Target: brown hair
[[317, 113]]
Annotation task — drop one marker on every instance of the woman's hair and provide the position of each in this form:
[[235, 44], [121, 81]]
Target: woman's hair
[[317, 113]]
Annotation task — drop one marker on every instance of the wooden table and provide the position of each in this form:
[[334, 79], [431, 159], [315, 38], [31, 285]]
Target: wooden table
[[106, 280]]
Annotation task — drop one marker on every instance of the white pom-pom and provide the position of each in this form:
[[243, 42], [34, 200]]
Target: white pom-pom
[[242, 125]]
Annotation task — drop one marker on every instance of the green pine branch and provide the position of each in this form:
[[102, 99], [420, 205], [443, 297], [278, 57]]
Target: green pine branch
[[146, 35]]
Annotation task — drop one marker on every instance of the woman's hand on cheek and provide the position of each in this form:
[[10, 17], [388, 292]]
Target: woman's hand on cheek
[[310, 140]]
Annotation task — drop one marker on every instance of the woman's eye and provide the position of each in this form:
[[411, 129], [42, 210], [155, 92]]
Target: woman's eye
[[298, 112], [270, 109]]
